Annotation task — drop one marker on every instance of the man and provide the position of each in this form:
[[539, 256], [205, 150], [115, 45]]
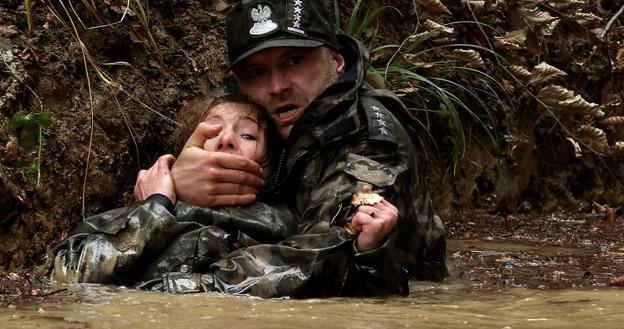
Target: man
[[339, 136]]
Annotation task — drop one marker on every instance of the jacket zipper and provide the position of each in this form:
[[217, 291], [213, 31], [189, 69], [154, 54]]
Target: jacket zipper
[[280, 163]]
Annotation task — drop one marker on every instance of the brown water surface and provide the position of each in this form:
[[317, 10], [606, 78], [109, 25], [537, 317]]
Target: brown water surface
[[555, 271], [447, 305]]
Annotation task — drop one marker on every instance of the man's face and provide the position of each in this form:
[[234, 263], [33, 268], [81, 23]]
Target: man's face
[[285, 80]]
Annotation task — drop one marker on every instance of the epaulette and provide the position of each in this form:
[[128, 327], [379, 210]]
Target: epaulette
[[381, 125]]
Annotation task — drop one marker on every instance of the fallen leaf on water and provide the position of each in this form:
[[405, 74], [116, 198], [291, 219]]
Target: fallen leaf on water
[[619, 281], [610, 215]]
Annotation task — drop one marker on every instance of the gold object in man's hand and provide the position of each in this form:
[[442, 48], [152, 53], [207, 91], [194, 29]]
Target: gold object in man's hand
[[369, 199]]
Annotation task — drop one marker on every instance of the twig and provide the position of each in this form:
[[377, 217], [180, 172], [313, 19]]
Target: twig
[[611, 21], [50, 293]]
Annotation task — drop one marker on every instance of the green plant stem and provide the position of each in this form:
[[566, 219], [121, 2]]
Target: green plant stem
[[39, 156], [28, 14]]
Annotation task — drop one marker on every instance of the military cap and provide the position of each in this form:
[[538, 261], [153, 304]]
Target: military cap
[[255, 25]]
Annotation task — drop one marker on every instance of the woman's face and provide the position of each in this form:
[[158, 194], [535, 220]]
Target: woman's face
[[236, 131]]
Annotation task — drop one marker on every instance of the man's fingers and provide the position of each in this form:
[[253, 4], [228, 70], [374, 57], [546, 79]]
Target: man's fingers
[[142, 173], [236, 177], [359, 220], [233, 200], [237, 162], [369, 210], [165, 161], [228, 189], [140, 178], [201, 134]]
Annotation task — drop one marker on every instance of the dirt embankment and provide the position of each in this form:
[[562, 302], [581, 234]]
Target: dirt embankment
[[108, 120], [102, 122]]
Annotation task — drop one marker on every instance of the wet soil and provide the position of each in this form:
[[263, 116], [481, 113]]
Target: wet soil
[[543, 251], [113, 107]]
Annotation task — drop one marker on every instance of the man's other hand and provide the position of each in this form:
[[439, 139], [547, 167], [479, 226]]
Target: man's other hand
[[373, 223], [156, 179], [208, 179]]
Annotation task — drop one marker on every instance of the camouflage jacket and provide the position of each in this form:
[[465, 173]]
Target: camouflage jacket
[[349, 137], [143, 242], [352, 136]]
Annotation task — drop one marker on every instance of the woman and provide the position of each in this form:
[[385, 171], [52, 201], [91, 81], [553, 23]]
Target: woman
[[152, 237]]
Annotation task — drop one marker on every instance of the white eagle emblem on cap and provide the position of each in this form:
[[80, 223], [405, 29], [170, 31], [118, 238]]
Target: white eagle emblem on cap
[[262, 21]]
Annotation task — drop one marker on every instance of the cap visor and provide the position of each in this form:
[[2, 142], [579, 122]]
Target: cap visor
[[302, 43]]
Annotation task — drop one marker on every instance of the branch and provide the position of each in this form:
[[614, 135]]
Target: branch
[[611, 21]]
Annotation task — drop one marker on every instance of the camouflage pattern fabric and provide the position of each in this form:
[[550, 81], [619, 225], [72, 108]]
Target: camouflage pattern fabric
[[129, 245], [349, 137]]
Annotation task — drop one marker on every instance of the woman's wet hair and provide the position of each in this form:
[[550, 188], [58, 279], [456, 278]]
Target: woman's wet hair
[[196, 112]]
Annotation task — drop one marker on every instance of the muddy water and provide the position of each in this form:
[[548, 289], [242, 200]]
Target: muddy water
[[554, 271], [448, 305], [478, 295]]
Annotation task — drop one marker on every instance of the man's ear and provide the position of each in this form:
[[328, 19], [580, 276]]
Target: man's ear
[[340, 63]]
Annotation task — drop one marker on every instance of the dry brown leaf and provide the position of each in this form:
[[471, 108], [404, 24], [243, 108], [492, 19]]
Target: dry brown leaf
[[137, 33], [414, 60], [618, 62], [566, 5], [434, 6], [436, 33], [471, 56], [476, 6], [7, 31], [576, 146], [610, 215], [534, 16], [617, 148], [619, 281], [598, 207], [444, 41], [508, 85], [520, 72], [588, 20], [434, 26], [545, 72], [362, 198], [594, 138], [511, 40], [549, 28], [612, 105], [565, 101], [119, 8], [349, 231], [613, 121]]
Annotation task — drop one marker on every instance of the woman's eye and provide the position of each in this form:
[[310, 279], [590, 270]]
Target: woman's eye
[[248, 137]]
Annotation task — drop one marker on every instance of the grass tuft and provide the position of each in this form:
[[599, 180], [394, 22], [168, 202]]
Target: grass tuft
[[427, 82]]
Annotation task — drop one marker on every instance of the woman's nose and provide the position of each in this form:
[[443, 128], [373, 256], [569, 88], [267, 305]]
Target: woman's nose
[[227, 143]]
